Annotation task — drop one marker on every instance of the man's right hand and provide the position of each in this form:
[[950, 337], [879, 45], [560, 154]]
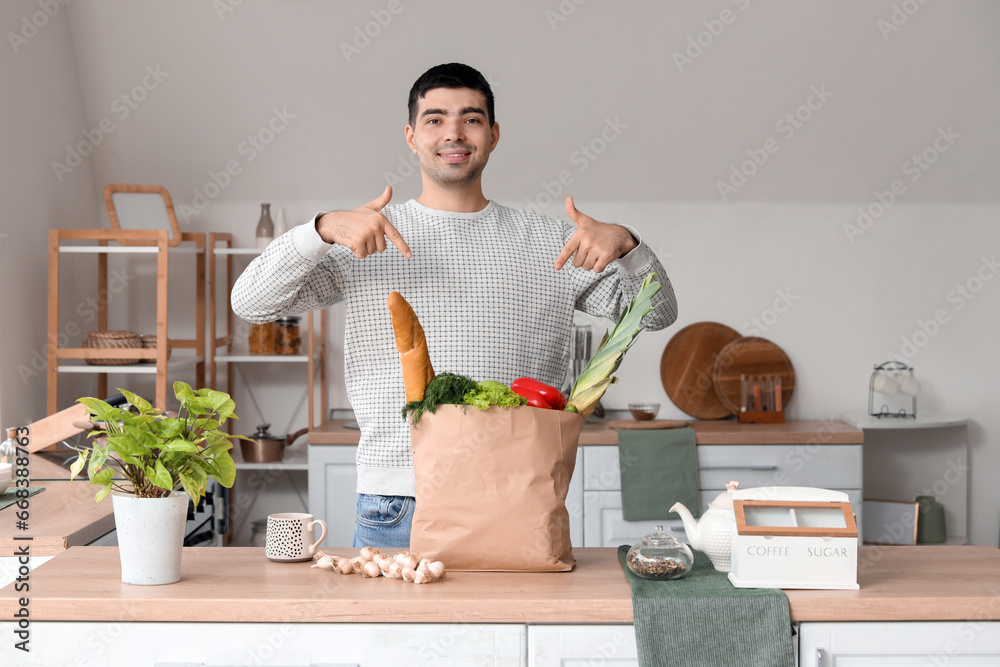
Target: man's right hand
[[364, 229]]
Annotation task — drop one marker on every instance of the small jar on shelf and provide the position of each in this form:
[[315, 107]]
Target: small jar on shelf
[[262, 338], [287, 337]]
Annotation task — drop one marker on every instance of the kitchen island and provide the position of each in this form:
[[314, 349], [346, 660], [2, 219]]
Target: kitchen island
[[297, 614]]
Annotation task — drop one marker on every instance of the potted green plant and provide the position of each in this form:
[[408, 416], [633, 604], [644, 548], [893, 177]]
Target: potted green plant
[[152, 463]]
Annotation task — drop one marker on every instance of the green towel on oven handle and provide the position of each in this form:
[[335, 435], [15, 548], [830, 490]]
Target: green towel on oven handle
[[702, 620], [659, 467]]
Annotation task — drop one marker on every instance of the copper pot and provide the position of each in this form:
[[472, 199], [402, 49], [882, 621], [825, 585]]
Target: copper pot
[[267, 448]]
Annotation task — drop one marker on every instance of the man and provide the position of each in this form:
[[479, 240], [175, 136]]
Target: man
[[493, 287]]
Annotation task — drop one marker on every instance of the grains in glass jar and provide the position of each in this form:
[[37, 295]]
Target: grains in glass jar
[[262, 338], [287, 339]]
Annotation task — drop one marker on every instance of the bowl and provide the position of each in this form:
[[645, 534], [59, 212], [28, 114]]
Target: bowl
[[6, 474], [644, 411]]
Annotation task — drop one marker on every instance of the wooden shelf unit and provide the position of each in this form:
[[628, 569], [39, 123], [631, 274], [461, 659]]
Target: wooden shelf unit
[[159, 244]]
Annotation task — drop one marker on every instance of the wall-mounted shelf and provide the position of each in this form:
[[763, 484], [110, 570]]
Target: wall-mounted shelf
[[905, 457], [868, 422]]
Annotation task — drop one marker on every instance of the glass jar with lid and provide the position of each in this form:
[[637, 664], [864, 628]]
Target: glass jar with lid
[[287, 338], [660, 556], [262, 338]]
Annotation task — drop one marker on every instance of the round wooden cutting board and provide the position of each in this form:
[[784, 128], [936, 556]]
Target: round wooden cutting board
[[750, 356], [686, 368]]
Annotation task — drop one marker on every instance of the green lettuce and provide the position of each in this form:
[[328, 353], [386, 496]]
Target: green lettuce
[[489, 393]]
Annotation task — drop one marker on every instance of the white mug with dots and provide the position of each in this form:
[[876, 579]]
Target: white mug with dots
[[290, 536]]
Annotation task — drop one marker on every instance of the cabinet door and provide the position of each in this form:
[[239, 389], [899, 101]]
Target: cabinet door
[[582, 646], [604, 525], [286, 644], [823, 466], [900, 644], [333, 497], [810, 464]]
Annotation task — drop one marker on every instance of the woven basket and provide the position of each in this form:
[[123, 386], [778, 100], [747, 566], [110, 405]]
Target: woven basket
[[112, 340], [149, 343]]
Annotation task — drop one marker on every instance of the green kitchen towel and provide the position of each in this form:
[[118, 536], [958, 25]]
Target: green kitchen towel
[[659, 467], [9, 497], [702, 620]]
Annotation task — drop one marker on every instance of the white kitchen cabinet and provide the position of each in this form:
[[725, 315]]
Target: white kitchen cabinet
[[900, 644], [286, 644], [834, 466], [582, 646], [333, 479], [333, 497]]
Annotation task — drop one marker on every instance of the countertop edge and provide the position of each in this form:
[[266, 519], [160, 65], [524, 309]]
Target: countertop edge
[[894, 587]]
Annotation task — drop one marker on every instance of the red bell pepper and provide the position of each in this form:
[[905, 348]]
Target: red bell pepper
[[533, 389], [533, 398]]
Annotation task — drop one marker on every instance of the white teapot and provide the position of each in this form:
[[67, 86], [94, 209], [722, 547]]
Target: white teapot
[[713, 534]]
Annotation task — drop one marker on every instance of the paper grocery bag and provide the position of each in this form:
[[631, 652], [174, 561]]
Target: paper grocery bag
[[491, 487]]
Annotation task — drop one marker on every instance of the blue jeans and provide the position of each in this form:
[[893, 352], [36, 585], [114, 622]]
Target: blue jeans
[[383, 521]]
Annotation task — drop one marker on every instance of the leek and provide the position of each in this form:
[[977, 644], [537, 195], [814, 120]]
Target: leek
[[598, 375]]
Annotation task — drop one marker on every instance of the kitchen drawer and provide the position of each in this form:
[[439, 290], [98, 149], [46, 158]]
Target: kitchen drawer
[[604, 525], [823, 466]]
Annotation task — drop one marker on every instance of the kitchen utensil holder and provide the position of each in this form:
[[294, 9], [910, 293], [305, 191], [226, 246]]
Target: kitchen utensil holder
[[761, 400], [890, 367]]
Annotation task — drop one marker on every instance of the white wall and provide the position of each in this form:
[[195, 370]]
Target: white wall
[[42, 114], [880, 95]]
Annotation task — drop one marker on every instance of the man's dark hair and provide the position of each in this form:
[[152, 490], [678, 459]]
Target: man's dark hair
[[451, 75]]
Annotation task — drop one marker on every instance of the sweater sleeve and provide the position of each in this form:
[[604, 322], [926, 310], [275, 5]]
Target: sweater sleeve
[[297, 272], [609, 293]]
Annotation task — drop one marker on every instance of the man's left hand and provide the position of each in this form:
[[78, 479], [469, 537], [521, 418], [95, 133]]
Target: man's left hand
[[594, 244]]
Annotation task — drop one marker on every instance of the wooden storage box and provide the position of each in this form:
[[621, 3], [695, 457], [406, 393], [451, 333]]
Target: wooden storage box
[[794, 537]]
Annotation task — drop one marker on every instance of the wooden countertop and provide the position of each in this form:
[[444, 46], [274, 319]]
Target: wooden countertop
[[239, 584], [63, 515], [720, 432]]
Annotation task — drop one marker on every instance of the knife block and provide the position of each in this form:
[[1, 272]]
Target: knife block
[[760, 399]]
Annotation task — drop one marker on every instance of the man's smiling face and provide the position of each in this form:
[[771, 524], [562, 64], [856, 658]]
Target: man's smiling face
[[452, 136]]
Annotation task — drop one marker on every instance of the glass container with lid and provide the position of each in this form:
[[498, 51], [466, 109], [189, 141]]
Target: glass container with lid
[[660, 556], [287, 338]]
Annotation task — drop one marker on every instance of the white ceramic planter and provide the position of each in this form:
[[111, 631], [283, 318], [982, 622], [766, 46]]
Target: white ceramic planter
[[150, 537]]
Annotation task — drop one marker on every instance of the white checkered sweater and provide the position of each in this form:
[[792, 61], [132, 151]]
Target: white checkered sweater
[[484, 289]]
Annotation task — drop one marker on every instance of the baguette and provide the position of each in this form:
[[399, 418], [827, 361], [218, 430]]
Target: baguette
[[412, 347]]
